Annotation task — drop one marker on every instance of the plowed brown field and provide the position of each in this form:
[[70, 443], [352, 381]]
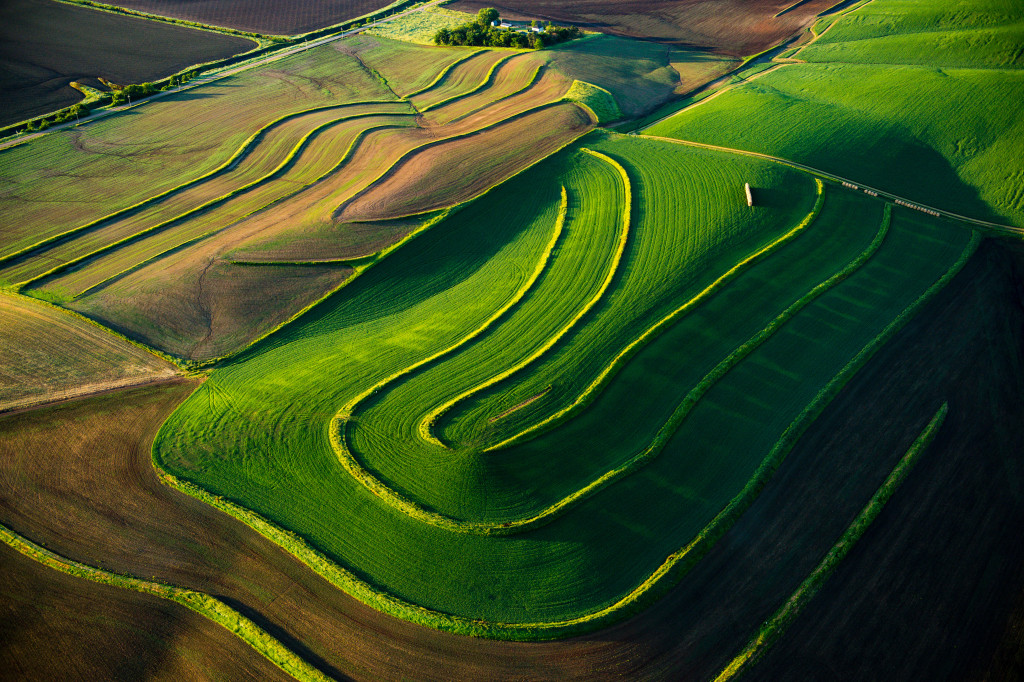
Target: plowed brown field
[[738, 27], [45, 45], [58, 627], [276, 17]]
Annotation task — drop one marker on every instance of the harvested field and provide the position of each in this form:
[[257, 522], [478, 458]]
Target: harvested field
[[54, 626], [271, 17], [45, 45], [50, 354], [474, 163], [735, 27]]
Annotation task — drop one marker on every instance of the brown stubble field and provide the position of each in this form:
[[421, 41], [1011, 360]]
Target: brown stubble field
[[97, 499], [735, 27], [271, 17], [44, 45], [177, 289]]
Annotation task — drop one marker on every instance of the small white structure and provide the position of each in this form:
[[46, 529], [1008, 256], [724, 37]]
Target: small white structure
[[750, 194]]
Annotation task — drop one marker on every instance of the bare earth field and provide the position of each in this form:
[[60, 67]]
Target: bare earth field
[[271, 17], [45, 45], [58, 627], [736, 27]]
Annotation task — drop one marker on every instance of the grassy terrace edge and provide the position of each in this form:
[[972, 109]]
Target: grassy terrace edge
[[776, 626], [243, 150], [204, 604], [426, 425], [675, 566]]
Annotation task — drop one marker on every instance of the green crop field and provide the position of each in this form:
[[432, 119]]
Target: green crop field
[[439, 360], [406, 358]]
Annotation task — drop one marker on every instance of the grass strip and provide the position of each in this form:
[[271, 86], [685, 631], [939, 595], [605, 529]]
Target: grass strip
[[393, 168], [228, 165], [281, 168], [339, 423], [533, 81], [427, 423], [776, 626], [203, 604], [675, 566], [484, 84], [591, 392], [664, 434], [344, 159], [441, 76]]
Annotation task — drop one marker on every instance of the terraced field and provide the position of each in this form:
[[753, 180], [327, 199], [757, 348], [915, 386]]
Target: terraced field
[[492, 524], [440, 382], [328, 163]]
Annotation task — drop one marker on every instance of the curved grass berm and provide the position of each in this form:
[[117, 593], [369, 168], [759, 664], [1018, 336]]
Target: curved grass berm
[[395, 590]]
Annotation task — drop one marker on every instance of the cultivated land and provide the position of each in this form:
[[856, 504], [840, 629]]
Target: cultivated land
[[45, 45], [271, 17], [468, 367]]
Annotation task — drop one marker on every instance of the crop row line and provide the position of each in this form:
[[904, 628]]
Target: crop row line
[[393, 168], [204, 604], [344, 159], [426, 424], [776, 626], [281, 168], [483, 85], [339, 423], [359, 270], [239, 154], [533, 81], [414, 510], [593, 390], [444, 72], [670, 571]]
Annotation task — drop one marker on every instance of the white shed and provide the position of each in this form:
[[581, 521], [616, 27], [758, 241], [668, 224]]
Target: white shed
[[750, 194]]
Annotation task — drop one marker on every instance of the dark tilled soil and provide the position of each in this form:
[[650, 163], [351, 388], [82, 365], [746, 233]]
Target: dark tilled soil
[[271, 17], [44, 45], [58, 627], [737, 27], [934, 589], [941, 565]]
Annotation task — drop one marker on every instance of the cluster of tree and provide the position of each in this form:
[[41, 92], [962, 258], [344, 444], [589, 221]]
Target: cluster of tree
[[481, 33], [72, 113]]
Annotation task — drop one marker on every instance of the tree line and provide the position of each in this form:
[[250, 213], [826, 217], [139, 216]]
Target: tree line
[[481, 33]]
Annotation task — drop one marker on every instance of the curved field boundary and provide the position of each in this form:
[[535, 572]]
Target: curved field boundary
[[339, 423], [666, 432], [484, 84], [591, 392], [290, 159], [342, 161], [205, 605], [441, 76], [393, 168], [998, 228], [228, 165], [668, 573], [533, 81], [427, 423], [776, 626]]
